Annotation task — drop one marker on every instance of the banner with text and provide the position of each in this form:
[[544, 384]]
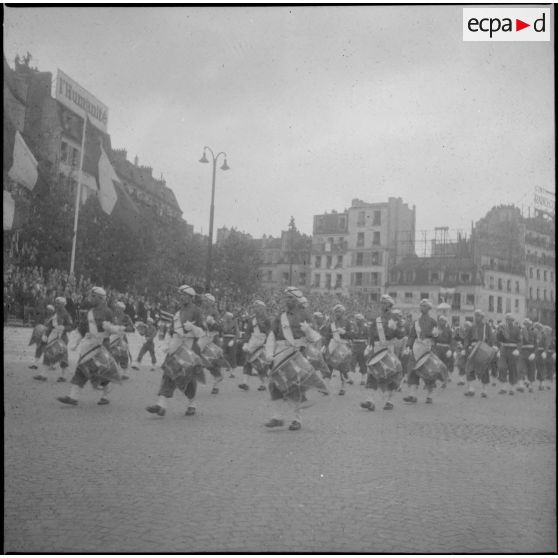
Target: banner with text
[[79, 100]]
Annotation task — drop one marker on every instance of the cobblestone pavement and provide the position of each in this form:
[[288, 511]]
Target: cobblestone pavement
[[464, 475]]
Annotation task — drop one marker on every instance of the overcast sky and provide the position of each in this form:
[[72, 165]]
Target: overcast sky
[[314, 106]]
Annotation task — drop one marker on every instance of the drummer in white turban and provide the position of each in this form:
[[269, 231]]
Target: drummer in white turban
[[444, 343], [55, 340], [187, 327], [119, 342], [550, 350], [421, 339], [361, 338], [526, 367], [96, 324], [479, 332], [212, 325], [337, 337], [39, 339], [540, 353], [384, 331], [508, 338], [258, 328], [290, 332]]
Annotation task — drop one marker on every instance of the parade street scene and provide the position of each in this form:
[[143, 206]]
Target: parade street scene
[[279, 279]]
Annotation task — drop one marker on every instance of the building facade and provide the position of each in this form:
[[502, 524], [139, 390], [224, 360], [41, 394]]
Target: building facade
[[352, 251], [53, 131], [540, 269], [285, 260]]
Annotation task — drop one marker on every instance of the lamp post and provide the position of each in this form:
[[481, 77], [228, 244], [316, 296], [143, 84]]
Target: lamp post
[[224, 167]]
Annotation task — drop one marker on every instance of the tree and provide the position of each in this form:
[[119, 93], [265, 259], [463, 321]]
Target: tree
[[237, 262]]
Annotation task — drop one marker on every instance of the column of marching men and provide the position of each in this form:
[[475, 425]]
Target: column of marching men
[[293, 351]]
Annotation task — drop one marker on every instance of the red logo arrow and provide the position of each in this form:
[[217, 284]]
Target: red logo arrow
[[519, 25]]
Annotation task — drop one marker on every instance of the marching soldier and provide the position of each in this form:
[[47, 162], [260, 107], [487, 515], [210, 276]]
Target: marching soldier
[[508, 337], [475, 368]]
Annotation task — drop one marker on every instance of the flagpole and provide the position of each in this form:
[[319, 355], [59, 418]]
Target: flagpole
[[78, 196]]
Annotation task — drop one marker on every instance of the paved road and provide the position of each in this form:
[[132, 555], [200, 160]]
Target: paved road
[[460, 476]]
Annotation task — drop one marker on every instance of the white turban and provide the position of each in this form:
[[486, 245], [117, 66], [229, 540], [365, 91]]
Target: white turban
[[99, 291], [186, 289]]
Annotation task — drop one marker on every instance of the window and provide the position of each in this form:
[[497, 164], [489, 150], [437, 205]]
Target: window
[[491, 282], [75, 157], [517, 286], [408, 276], [517, 304], [359, 258], [434, 276], [508, 285], [338, 281], [286, 277], [342, 222], [456, 301], [544, 275], [374, 297], [470, 299], [376, 258], [544, 294], [269, 275], [328, 280], [531, 273], [316, 279], [500, 285], [376, 239], [377, 220], [358, 279], [64, 152], [491, 303], [508, 304], [339, 261], [465, 277], [538, 294], [408, 297], [328, 262], [423, 295], [499, 305], [302, 278], [538, 273], [360, 219], [374, 278], [360, 239], [393, 295], [318, 262], [531, 293]]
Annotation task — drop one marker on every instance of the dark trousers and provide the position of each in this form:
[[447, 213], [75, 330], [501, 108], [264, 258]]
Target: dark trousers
[[148, 346], [507, 366]]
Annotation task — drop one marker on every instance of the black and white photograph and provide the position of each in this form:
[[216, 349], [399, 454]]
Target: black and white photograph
[[279, 279]]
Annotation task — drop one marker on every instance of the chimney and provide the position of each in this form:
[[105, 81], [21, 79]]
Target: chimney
[[136, 160]]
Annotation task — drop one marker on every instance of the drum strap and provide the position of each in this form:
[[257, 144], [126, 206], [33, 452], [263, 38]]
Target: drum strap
[[417, 329], [286, 327], [89, 352], [256, 326], [380, 328], [92, 323]]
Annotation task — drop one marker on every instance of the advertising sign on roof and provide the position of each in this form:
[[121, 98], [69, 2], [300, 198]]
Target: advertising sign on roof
[[79, 100]]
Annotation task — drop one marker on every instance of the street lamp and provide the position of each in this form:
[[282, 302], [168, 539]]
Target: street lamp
[[224, 167]]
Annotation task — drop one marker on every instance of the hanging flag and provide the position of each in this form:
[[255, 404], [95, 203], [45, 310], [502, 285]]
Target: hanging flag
[[18, 159], [15, 211], [113, 197]]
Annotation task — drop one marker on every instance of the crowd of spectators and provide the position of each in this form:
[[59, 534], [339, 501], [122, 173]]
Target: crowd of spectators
[[28, 290]]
